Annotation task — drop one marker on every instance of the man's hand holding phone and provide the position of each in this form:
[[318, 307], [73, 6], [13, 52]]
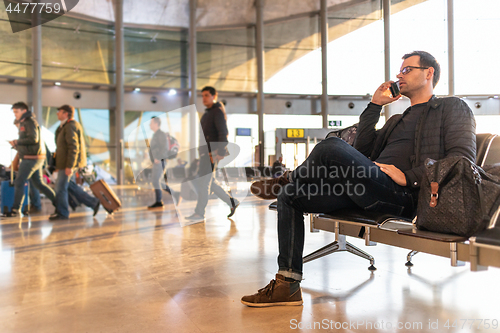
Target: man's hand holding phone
[[383, 95]]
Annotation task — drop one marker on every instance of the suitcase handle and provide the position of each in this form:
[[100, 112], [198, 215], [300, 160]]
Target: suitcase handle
[[105, 197]]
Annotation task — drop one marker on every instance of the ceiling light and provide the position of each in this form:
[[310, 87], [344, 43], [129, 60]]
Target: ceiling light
[[57, 83], [137, 89], [172, 92]]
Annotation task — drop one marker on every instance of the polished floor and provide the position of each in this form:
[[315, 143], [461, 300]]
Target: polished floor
[[150, 271]]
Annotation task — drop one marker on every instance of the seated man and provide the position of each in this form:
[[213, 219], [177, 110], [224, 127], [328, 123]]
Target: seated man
[[278, 167], [336, 175]]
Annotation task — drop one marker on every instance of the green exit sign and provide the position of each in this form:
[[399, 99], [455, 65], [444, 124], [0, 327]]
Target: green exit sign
[[334, 123]]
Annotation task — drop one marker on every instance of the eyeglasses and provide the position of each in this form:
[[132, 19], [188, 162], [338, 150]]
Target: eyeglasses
[[408, 69]]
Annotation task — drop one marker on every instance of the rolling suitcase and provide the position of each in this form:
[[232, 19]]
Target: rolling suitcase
[[106, 196], [7, 194]]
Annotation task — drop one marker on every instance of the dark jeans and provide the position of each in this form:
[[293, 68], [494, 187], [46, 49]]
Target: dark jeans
[[81, 196], [158, 173], [30, 169], [62, 183], [334, 176], [206, 183], [35, 200]]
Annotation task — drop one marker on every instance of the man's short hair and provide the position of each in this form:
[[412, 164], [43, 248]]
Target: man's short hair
[[156, 120], [68, 109], [211, 90], [427, 60], [20, 105]]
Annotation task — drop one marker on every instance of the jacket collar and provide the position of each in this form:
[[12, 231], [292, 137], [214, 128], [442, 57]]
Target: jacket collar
[[214, 106], [434, 102], [26, 115], [64, 122]]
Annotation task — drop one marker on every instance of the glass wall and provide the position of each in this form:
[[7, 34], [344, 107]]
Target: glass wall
[[78, 50], [422, 26], [291, 45], [476, 47], [226, 59], [356, 49], [156, 58], [15, 50], [83, 51]]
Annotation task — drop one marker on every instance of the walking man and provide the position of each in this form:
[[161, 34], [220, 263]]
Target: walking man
[[32, 154], [214, 127], [71, 154]]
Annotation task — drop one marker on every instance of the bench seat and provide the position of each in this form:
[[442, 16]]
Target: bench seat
[[489, 237], [482, 250]]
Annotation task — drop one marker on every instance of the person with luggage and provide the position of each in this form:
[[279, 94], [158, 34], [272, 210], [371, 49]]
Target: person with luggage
[[31, 150], [160, 151], [70, 155], [77, 196], [214, 127], [382, 172]]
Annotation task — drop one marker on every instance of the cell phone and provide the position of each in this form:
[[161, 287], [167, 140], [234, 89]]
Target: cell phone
[[394, 88]]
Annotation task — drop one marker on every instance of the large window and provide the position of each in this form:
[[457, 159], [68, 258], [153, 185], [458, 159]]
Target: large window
[[78, 50], [355, 53], [291, 62], [355, 50], [477, 25], [156, 58], [226, 59], [15, 49], [422, 26]]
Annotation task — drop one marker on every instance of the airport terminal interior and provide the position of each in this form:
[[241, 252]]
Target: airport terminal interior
[[287, 73]]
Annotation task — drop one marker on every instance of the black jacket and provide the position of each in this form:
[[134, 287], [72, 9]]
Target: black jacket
[[214, 126], [446, 128], [30, 141], [159, 146]]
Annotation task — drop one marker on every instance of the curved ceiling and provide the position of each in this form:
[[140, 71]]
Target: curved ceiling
[[210, 13]]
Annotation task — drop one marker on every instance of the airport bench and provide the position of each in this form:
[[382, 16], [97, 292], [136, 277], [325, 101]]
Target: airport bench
[[481, 250]]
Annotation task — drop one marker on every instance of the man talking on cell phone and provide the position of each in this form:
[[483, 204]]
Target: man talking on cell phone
[[388, 165]]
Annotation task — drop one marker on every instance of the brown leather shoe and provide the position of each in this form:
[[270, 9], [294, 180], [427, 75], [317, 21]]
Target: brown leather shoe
[[269, 189], [277, 292]]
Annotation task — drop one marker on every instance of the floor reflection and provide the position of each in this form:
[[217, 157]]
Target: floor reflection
[[141, 270]]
